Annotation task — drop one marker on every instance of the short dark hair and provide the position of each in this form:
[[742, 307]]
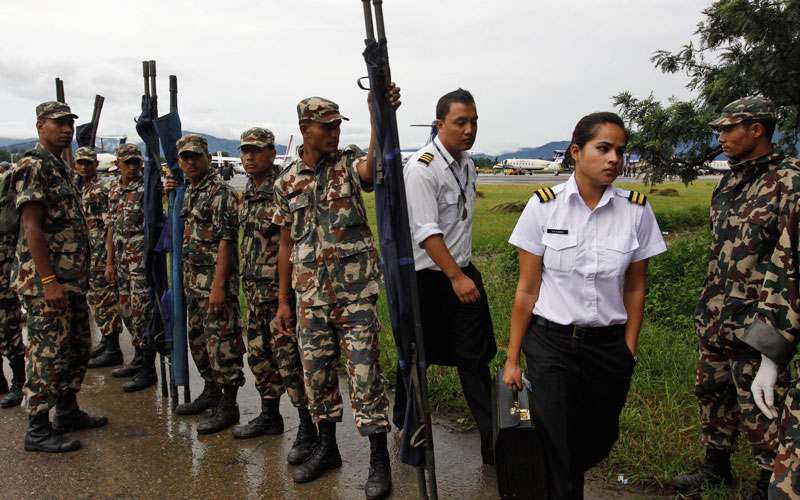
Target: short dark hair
[[458, 95], [586, 130]]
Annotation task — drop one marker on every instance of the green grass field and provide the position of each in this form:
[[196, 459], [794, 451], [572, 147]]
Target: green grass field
[[660, 435]]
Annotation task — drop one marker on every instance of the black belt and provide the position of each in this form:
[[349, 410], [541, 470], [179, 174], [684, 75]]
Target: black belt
[[580, 331]]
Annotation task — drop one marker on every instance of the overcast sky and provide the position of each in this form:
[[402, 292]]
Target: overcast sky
[[535, 67]]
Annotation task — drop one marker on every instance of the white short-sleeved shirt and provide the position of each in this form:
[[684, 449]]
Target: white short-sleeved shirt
[[435, 182], [586, 253]]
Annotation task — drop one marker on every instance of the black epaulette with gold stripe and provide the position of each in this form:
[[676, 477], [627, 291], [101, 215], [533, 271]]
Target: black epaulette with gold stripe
[[426, 158], [637, 198], [545, 194]]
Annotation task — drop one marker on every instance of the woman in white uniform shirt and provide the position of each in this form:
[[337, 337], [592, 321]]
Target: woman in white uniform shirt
[[583, 252]]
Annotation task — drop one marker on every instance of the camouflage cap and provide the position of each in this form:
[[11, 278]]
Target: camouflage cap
[[85, 153], [256, 136], [192, 142], [318, 109], [128, 151], [746, 108], [54, 110]]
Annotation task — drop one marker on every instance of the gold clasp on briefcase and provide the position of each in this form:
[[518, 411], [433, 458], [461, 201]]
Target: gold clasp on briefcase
[[523, 413]]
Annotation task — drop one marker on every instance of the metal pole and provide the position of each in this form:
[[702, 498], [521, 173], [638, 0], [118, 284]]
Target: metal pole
[[173, 93], [98, 107], [378, 4], [368, 20], [146, 75], [152, 69]]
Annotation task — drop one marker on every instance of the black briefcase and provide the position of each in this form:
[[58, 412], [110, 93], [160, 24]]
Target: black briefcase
[[518, 449]]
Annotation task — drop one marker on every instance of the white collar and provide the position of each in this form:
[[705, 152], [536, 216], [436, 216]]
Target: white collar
[[449, 160], [572, 189]]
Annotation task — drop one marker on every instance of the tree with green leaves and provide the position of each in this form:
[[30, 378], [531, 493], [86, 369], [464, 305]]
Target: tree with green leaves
[[744, 47]]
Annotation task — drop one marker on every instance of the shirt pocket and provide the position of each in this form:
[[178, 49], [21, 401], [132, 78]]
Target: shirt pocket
[[64, 226], [202, 249], [449, 208], [616, 254], [298, 208], [345, 211], [560, 251], [356, 260], [304, 275]]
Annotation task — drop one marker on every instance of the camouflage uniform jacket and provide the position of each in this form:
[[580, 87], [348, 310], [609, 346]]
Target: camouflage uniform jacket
[[8, 248], [751, 289], [95, 196], [210, 212], [260, 241], [334, 257], [127, 220], [42, 177]]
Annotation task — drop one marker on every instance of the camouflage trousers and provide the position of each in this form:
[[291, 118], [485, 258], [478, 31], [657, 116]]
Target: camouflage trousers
[[351, 328], [11, 345], [785, 484], [104, 304], [274, 357], [215, 340], [59, 341], [134, 302], [724, 376]]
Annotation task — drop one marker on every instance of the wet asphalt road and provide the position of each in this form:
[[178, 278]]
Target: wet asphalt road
[[148, 452]]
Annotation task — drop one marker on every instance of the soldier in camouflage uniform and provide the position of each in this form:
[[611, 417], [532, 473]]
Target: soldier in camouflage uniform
[[272, 355], [51, 274], [211, 280], [748, 316], [125, 264], [103, 300], [328, 255], [11, 345]]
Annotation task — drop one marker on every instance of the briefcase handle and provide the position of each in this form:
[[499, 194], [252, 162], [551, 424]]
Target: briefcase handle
[[524, 413]]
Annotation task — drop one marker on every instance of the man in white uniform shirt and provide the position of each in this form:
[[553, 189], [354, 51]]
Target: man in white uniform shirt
[[457, 326]]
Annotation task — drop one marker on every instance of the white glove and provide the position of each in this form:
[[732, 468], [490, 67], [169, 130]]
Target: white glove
[[763, 387]]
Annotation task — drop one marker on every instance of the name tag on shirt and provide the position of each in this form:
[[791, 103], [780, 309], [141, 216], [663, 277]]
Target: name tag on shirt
[[557, 231]]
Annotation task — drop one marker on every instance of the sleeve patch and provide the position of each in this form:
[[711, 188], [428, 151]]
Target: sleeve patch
[[637, 198], [545, 194], [426, 158]]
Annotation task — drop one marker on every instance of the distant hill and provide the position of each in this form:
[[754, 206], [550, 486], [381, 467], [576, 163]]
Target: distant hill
[[544, 152]]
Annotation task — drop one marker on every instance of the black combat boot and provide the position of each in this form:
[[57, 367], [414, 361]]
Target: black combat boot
[[146, 376], [41, 436], [268, 423], [226, 414], [306, 439], [207, 399], [110, 355], [69, 417], [132, 368], [762, 485], [3, 381], [379, 481], [715, 470], [14, 396], [100, 347], [324, 457]]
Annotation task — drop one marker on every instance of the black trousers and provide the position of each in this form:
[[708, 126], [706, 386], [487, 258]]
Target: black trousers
[[459, 335], [579, 388]]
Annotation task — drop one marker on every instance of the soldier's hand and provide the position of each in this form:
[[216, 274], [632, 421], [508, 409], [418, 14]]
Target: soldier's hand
[[394, 97], [512, 374], [284, 319], [763, 387], [216, 300], [109, 274], [465, 289], [170, 185], [54, 295]]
